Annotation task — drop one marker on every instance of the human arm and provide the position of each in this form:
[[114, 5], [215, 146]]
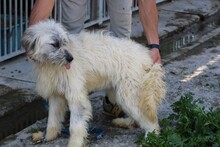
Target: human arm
[[149, 18], [41, 11]]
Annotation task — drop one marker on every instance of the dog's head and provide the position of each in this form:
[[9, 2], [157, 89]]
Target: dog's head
[[46, 42]]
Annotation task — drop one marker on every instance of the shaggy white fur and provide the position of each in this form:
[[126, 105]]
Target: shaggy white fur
[[100, 62]]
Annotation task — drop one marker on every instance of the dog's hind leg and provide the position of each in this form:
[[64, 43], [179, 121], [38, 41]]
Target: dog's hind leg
[[129, 99], [147, 123], [57, 109], [80, 113]]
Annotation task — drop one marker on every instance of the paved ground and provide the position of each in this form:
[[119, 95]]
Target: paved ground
[[196, 71], [193, 69]]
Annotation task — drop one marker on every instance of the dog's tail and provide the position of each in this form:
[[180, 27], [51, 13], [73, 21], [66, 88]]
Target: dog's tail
[[152, 92]]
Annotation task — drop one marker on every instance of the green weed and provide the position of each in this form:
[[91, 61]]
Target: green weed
[[34, 130], [189, 126]]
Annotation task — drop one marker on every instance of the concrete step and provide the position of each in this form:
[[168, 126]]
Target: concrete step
[[19, 108]]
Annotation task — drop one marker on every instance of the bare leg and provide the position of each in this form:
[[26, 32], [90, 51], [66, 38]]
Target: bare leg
[[111, 95]]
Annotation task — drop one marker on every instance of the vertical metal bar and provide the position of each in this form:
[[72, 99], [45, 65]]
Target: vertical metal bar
[[9, 50], [106, 10], [87, 9], [104, 15], [32, 3], [21, 17], [5, 28], [55, 10], [132, 5], [1, 30], [16, 24], [136, 4], [26, 14], [60, 11], [100, 17]]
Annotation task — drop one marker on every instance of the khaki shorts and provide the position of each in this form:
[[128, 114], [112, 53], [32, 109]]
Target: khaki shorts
[[74, 13]]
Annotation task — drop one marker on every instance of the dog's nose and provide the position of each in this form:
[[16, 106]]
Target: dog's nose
[[69, 57]]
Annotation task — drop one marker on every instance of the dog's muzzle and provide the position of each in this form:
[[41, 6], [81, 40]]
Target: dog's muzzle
[[69, 58]]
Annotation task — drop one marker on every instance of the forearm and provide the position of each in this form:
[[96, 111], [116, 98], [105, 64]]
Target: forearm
[[41, 11], [149, 18]]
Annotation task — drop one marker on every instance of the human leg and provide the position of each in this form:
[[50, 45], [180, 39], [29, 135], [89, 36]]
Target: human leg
[[109, 104], [120, 24], [120, 17], [73, 15]]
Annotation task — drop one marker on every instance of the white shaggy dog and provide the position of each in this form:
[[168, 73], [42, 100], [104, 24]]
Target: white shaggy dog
[[99, 62]]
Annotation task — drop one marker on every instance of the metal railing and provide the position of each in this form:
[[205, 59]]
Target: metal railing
[[14, 20], [12, 24]]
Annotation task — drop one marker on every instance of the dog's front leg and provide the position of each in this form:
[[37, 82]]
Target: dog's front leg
[[57, 109], [81, 112]]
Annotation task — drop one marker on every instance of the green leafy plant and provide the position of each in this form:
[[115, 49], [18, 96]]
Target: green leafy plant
[[34, 130], [189, 126]]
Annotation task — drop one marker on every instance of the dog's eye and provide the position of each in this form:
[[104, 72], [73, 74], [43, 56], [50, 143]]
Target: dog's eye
[[55, 44]]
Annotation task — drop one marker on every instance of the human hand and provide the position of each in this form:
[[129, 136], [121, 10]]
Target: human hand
[[155, 55]]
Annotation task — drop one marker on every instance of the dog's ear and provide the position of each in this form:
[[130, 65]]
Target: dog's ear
[[28, 41]]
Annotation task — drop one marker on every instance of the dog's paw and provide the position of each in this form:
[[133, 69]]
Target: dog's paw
[[37, 136], [127, 123], [156, 130], [76, 143], [51, 133]]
